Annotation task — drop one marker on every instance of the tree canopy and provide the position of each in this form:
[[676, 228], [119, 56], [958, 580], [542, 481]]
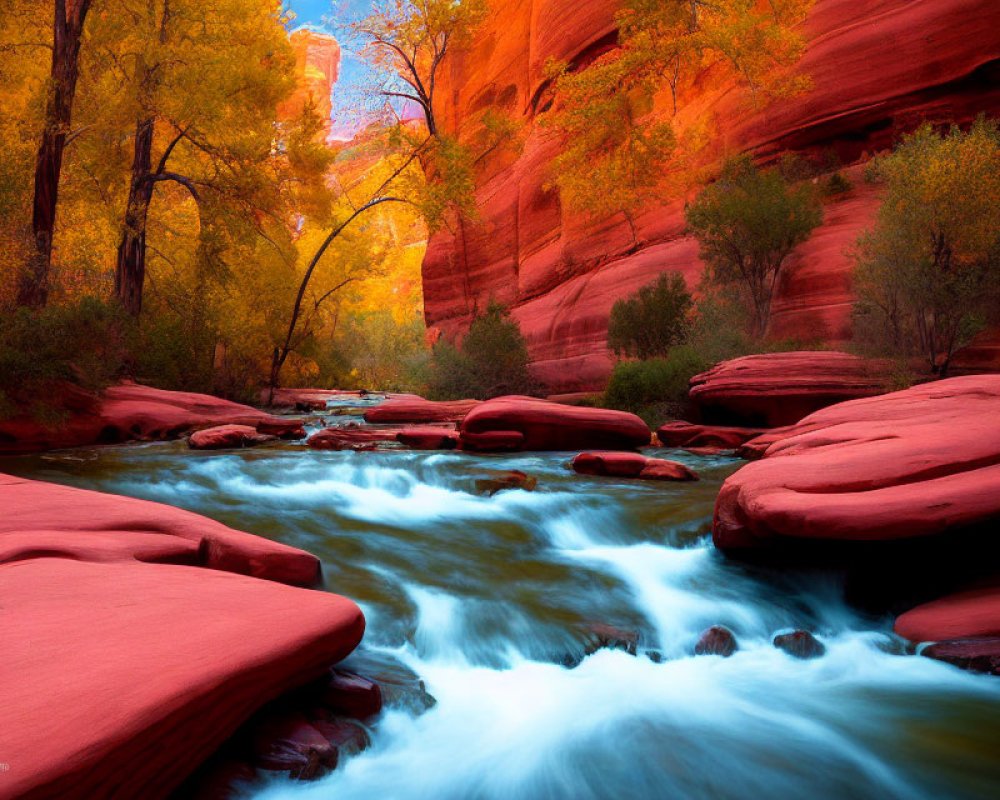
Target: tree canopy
[[748, 222], [928, 271]]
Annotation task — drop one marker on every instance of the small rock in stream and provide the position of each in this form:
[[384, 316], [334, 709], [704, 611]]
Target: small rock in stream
[[800, 644], [716, 641], [502, 481], [352, 695]]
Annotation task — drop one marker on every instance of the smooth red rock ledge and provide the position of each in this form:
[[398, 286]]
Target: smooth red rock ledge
[[413, 409], [130, 654], [775, 389], [526, 423], [913, 463], [131, 412], [632, 465]]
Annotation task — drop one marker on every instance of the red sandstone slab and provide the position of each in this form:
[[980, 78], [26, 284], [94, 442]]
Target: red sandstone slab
[[775, 389], [413, 409], [428, 438], [552, 426], [223, 437], [918, 462], [632, 465], [120, 678], [30, 506], [974, 613], [130, 412], [130, 653], [351, 438]]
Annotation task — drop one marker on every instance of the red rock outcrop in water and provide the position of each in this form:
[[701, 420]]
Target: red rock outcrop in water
[[878, 68], [131, 412], [138, 637], [526, 423], [632, 465], [413, 409], [914, 463]]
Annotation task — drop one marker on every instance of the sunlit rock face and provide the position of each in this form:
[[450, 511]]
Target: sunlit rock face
[[317, 65], [878, 68]]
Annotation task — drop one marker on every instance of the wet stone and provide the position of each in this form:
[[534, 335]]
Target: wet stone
[[800, 644], [716, 641], [502, 481], [352, 695]]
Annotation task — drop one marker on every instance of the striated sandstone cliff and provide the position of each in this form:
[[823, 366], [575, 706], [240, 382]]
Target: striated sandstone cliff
[[878, 68]]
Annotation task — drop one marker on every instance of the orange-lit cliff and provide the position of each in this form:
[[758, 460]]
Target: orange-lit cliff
[[878, 68], [317, 65]]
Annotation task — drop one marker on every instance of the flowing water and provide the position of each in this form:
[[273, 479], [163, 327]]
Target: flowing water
[[486, 598]]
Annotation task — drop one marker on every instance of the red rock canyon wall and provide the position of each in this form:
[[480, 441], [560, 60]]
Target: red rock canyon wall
[[878, 67]]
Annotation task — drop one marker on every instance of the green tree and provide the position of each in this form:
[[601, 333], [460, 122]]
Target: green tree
[[653, 320], [928, 271], [748, 223], [492, 360]]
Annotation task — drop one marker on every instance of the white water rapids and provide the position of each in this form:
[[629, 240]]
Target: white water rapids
[[482, 597]]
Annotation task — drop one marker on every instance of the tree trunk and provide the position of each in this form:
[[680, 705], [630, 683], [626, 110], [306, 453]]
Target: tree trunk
[[33, 287], [130, 268]]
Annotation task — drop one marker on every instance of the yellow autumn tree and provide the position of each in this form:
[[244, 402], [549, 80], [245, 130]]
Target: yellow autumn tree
[[617, 150]]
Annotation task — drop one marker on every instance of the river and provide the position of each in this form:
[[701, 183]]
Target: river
[[486, 598]]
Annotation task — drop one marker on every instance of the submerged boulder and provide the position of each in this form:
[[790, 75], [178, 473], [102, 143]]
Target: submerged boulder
[[914, 463], [506, 480], [773, 389], [632, 465], [228, 436], [526, 423], [133, 648], [980, 654]]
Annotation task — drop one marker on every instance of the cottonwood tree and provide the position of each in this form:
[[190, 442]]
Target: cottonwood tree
[[616, 149], [69, 17], [928, 271], [201, 86], [748, 222]]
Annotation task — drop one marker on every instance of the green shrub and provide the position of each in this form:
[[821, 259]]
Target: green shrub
[[836, 185], [653, 320], [492, 360], [656, 389]]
